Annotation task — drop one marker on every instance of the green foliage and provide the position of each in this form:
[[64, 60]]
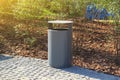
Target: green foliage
[[25, 32], [21, 31], [52, 9], [116, 9], [31, 9], [30, 41], [6, 7]]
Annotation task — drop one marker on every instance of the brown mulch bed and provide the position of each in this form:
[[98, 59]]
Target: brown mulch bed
[[93, 44]]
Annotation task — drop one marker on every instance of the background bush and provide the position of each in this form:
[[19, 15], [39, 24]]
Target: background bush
[[52, 9]]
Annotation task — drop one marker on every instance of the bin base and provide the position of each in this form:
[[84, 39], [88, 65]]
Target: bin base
[[60, 67]]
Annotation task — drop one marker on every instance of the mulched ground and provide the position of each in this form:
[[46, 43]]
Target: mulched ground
[[94, 47], [93, 44]]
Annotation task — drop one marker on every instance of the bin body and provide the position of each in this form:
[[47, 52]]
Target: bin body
[[59, 48]]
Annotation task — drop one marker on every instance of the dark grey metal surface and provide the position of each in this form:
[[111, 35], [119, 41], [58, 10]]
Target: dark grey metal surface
[[60, 47], [58, 54]]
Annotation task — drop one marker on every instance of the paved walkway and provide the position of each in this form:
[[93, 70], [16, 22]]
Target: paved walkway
[[22, 68]]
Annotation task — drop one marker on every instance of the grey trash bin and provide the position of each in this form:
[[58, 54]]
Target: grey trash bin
[[60, 45]]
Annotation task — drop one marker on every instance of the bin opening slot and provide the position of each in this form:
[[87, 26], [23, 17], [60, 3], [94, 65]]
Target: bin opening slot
[[60, 29]]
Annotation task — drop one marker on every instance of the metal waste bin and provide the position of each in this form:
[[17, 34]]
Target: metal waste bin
[[60, 44]]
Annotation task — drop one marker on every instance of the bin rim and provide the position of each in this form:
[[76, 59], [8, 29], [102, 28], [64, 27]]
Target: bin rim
[[60, 22]]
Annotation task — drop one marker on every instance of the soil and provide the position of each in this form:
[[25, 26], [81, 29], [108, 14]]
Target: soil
[[93, 43]]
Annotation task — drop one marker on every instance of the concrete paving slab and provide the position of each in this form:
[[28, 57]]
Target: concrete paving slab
[[25, 68]]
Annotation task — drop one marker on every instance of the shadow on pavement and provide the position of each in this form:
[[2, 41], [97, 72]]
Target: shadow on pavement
[[89, 73], [4, 57]]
